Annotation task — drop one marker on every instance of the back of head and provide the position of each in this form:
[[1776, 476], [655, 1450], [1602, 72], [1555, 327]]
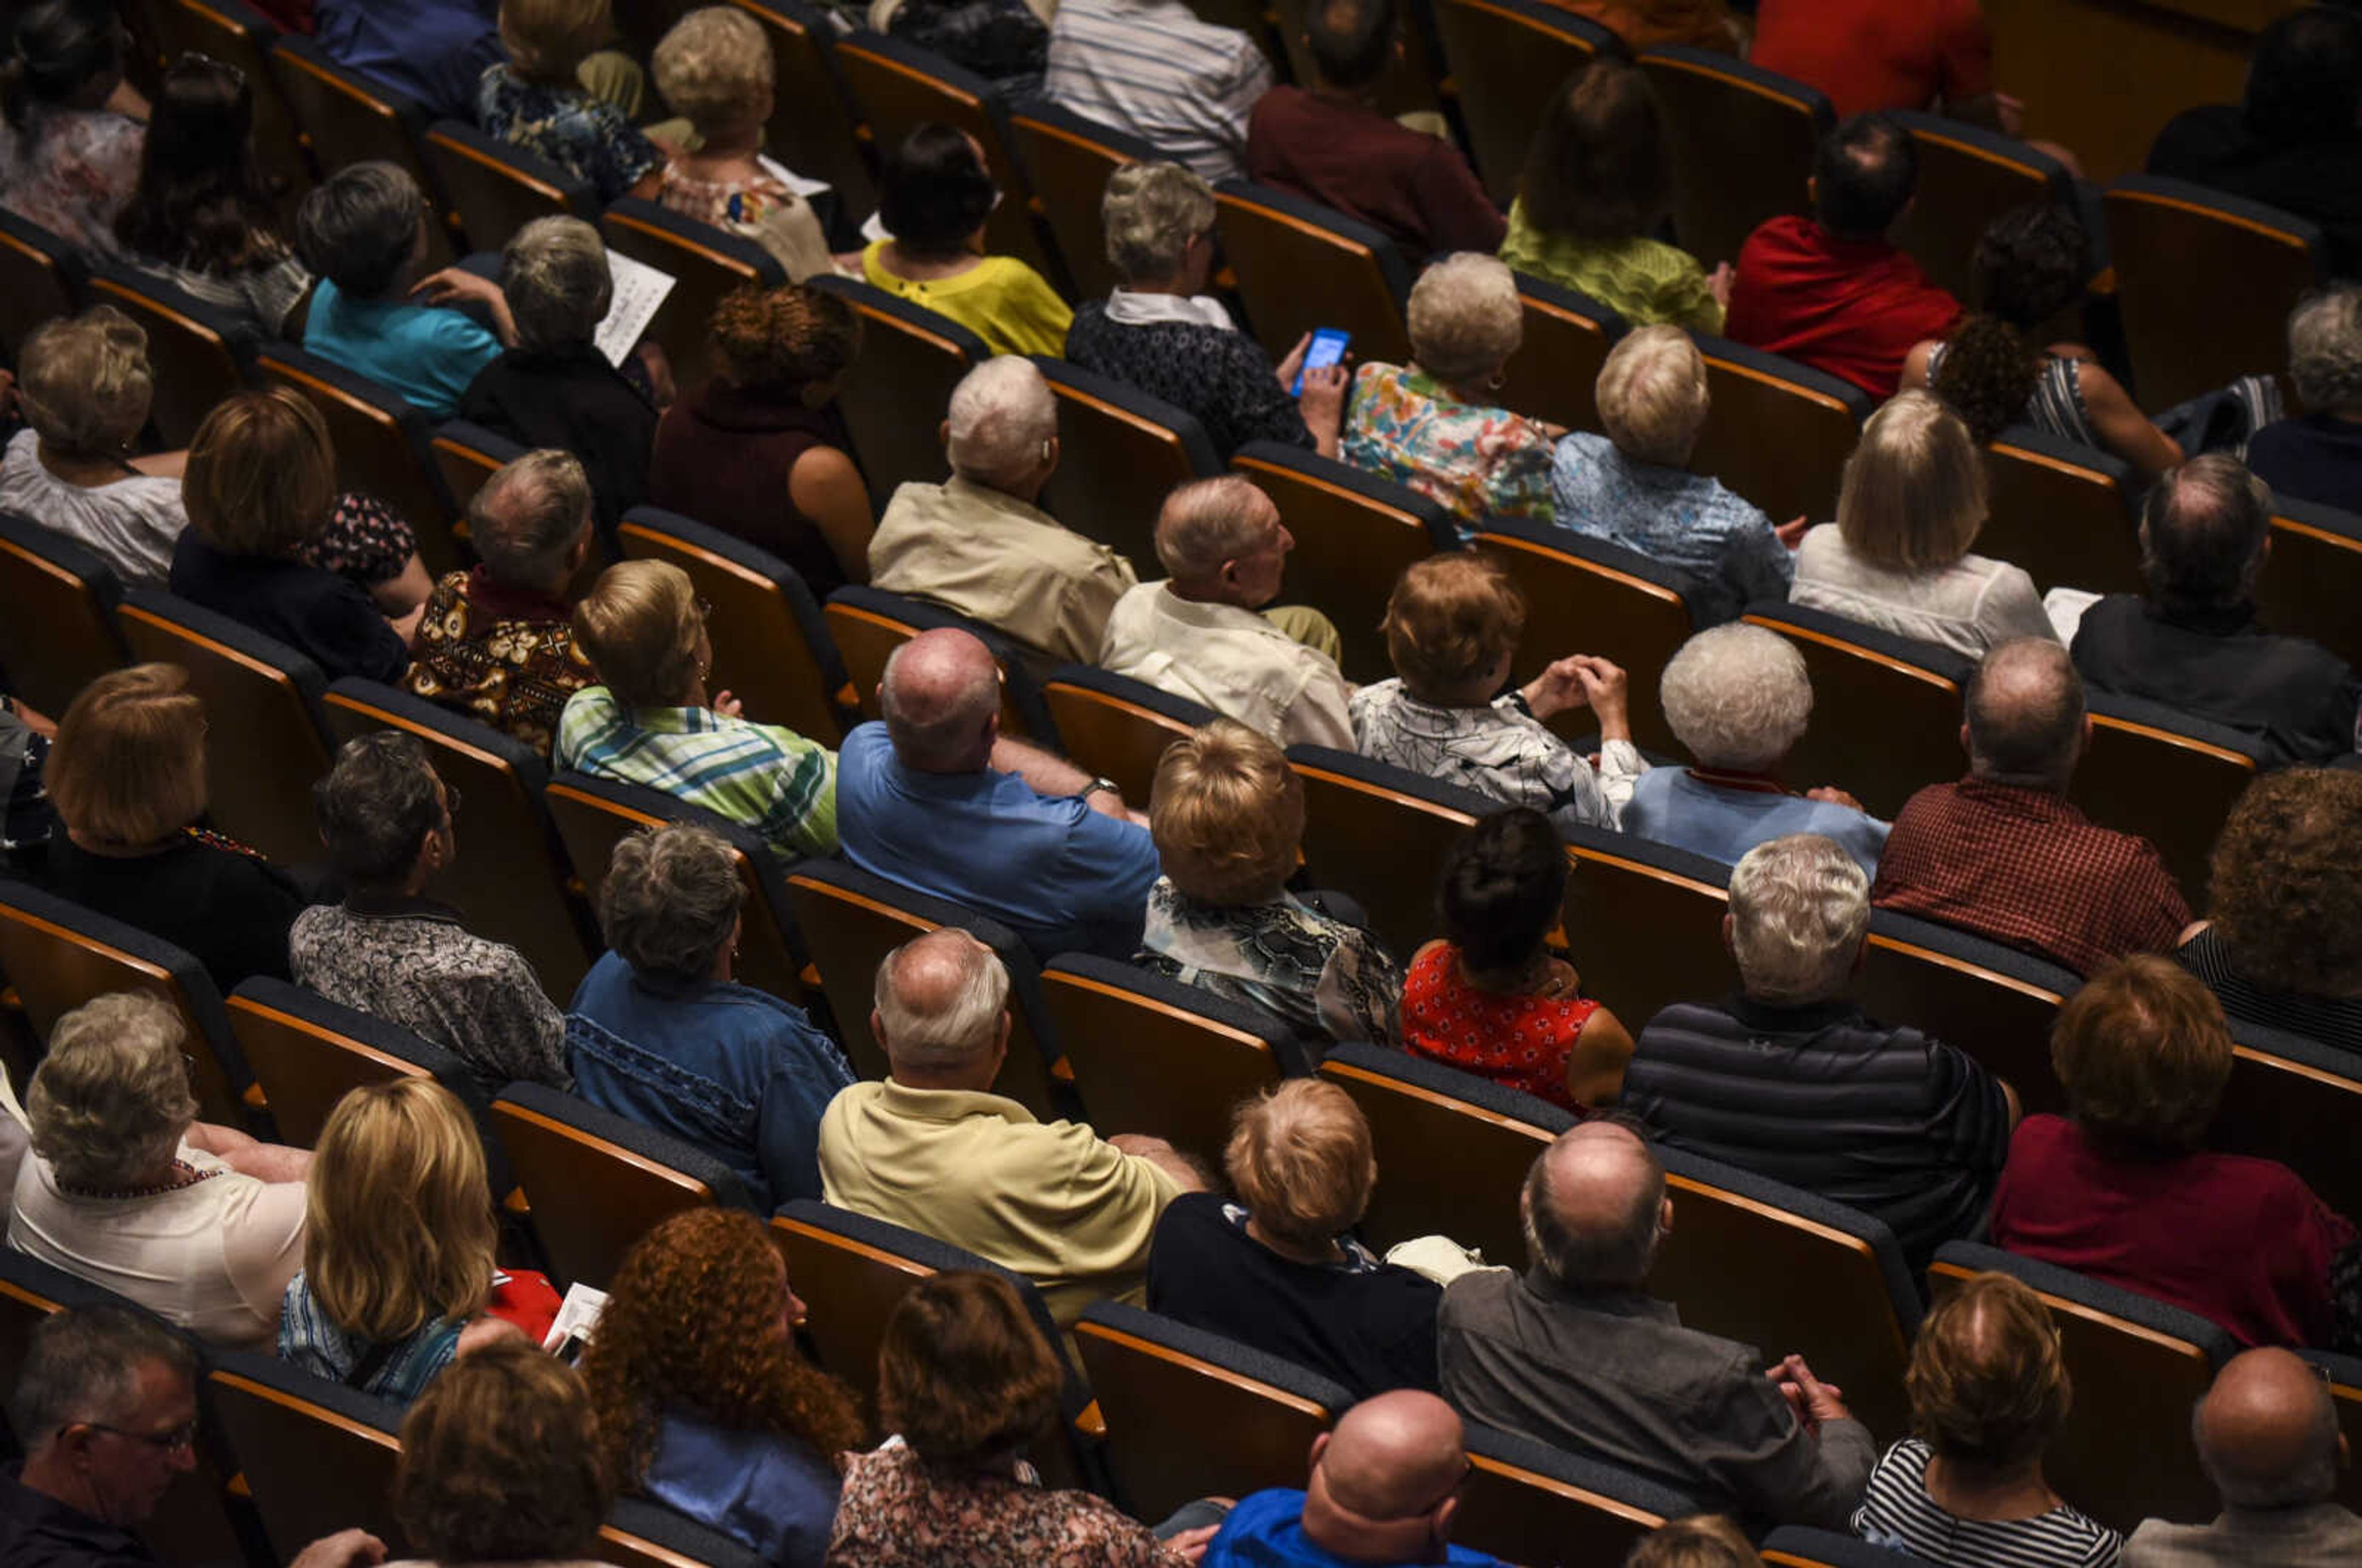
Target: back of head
[[500, 1461], [398, 1227], [261, 477], [526, 519], [1450, 620], [375, 807], [934, 192], [1863, 175], [2030, 264], [1592, 1208], [83, 1365], [1598, 167], [1503, 891], [782, 337], [200, 202], [671, 904], [2144, 1054], [1206, 524], [1300, 1160], [358, 228], [84, 383], [2202, 532], [2267, 1432], [2325, 350], [546, 40], [1701, 1540], [962, 1374], [1226, 813], [1988, 1381], [1351, 41], [62, 50], [2285, 889], [1384, 1486], [1149, 213], [1799, 913], [1465, 317], [1914, 494], [1002, 418], [1652, 395], [2024, 708], [943, 1004], [127, 769], [555, 276], [1737, 697], [715, 69], [939, 697], [2306, 81], [642, 628], [111, 1098]]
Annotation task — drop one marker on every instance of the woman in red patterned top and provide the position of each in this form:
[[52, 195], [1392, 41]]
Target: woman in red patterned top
[[1493, 999]]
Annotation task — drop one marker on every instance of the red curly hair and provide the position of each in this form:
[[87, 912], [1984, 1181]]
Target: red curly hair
[[695, 1321]]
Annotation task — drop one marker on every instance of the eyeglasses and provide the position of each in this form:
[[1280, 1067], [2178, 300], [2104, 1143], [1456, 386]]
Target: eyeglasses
[[172, 1441]]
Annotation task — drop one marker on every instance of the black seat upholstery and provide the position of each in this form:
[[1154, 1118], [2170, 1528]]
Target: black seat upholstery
[[1526, 1502], [2062, 511], [2308, 586]]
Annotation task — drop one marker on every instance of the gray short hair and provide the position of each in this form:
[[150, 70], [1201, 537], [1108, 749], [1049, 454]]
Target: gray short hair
[[1002, 413], [2325, 334], [110, 1101], [525, 519], [1799, 911], [1652, 395], [960, 1033], [1619, 1257], [358, 226], [1737, 696], [556, 277], [83, 1364], [670, 903], [1207, 522], [1151, 212], [1466, 320], [376, 804]]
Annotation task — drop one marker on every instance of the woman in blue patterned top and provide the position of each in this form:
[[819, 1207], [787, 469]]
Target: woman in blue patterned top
[[536, 101]]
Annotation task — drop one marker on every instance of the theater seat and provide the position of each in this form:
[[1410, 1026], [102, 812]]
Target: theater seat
[[1967, 177], [894, 395], [1508, 57], [346, 118], [868, 623], [496, 188], [59, 633], [2310, 585], [2168, 776], [383, 445], [705, 263], [315, 1456], [1067, 161], [812, 129], [1993, 1002], [1644, 922], [1121, 452], [2294, 1100], [2343, 1375], [1886, 710], [1526, 1502], [1779, 432], [1554, 374], [196, 355], [1115, 728], [1742, 141], [41, 279], [466, 455], [237, 35], [1300, 266], [1380, 834], [2061, 512]]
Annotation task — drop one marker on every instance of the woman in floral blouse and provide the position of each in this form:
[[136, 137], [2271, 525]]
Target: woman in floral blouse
[[67, 161], [715, 69]]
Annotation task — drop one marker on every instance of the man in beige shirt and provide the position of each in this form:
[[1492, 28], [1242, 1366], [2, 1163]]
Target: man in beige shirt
[[978, 543], [1198, 636], [933, 1150]]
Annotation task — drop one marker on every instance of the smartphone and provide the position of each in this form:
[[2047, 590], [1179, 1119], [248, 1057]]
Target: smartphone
[[1328, 347]]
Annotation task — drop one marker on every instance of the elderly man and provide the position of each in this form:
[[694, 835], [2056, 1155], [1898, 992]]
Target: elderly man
[[978, 545], [497, 642], [1151, 68], [1574, 1352], [934, 1149], [2195, 643], [2002, 853], [1925, 1128], [1198, 636], [2267, 1433], [2317, 456], [1832, 290]]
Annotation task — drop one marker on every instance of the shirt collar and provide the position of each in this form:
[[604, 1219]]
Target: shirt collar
[[2212, 620], [1126, 308], [1790, 1018], [364, 904], [967, 493], [64, 1522], [949, 1104], [1614, 1302], [503, 603], [1211, 615]]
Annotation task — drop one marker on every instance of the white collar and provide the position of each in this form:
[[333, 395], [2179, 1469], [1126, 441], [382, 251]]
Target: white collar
[[1128, 309]]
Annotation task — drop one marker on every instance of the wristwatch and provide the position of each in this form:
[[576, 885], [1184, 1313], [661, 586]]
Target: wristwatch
[[1096, 785]]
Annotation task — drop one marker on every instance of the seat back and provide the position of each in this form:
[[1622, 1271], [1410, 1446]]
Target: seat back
[[2294, 1100], [868, 623], [1121, 452], [1380, 835], [308, 1053], [1508, 57], [495, 189], [194, 353], [1779, 433], [1992, 1002], [236, 34], [643, 1533], [41, 280], [466, 455], [1967, 177], [894, 395], [703, 262], [2168, 776], [1644, 922], [2317, 565], [1526, 1502], [2343, 1375], [1742, 141], [1300, 266], [1554, 374], [1067, 161], [263, 734], [346, 117], [2062, 511], [811, 128], [317, 1457], [1886, 710], [381, 444], [1800, 1546], [1115, 728], [60, 632]]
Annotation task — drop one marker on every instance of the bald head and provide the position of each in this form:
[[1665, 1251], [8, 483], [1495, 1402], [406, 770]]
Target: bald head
[[1383, 1483], [2025, 715], [2267, 1432], [940, 696], [1594, 1207], [941, 1009]]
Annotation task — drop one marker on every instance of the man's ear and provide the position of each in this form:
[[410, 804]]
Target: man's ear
[[1319, 1447], [1665, 1216], [1729, 924], [1052, 449], [943, 435], [878, 1029], [1445, 1512], [1964, 741]]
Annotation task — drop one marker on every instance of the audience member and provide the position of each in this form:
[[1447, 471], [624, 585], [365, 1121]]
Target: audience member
[[2317, 456], [1431, 424], [1897, 558], [1226, 813], [2125, 1192], [1329, 141], [660, 1031], [1280, 1269], [1988, 1390], [651, 721], [1926, 1127], [71, 159], [1737, 698], [1006, 42], [1832, 290], [2267, 1435], [2282, 945], [2002, 854], [1701, 1540], [716, 71], [979, 543], [1151, 68], [703, 1403], [1205, 633], [967, 1383], [1575, 1353], [1597, 184], [934, 1149], [936, 192], [398, 1244], [1162, 332], [127, 777], [1633, 486], [1452, 628], [759, 451], [500, 1463], [1652, 24], [536, 99], [1490, 998], [200, 1224], [434, 50], [2194, 642], [1864, 57], [389, 951], [938, 800], [497, 641]]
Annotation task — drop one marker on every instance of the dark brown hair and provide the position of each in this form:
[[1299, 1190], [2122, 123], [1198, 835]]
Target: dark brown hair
[[2286, 888], [500, 1461], [1597, 168], [783, 336], [963, 1375]]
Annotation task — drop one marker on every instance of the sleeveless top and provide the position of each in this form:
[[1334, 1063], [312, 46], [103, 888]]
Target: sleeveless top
[[2056, 405], [1519, 1042], [723, 455]]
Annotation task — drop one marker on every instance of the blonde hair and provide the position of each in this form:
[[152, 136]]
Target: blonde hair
[[640, 626], [1451, 618], [398, 1229], [263, 475], [711, 66], [1226, 813], [547, 38], [1465, 317], [1300, 1159], [110, 1101], [85, 384], [1652, 395], [128, 767], [1913, 495], [1150, 212]]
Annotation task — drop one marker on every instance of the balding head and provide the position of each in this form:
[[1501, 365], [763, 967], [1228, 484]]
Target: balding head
[[531, 521], [2267, 1432], [2204, 531], [1384, 1484], [940, 696], [2025, 721], [942, 1012], [1595, 1208]]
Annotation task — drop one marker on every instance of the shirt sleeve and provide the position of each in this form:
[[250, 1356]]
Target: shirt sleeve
[[794, 1100], [1256, 406], [344, 624], [1112, 864], [1758, 1452], [2149, 905], [524, 1033], [1116, 1198], [453, 354], [1086, 600], [1971, 1122], [1620, 767], [1687, 300], [1032, 319], [1320, 715], [1359, 992], [1756, 563], [1250, 80], [263, 1248], [802, 815], [2012, 609]]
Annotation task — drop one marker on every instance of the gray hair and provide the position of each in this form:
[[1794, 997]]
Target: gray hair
[[83, 1364], [2324, 335], [524, 519], [358, 227], [1618, 1257], [85, 384], [1737, 696], [670, 903], [557, 282], [1466, 320], [110, 1101], [375, 805], [1002, 417], [960, 1030], [1207, 522], [712, 65], [1799, 910], [1151, 212], [1652, 395]]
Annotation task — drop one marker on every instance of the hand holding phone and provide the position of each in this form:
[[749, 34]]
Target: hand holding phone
[[1328, 349]]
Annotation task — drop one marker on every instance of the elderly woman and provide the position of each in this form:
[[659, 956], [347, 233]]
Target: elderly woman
[[651, 721], [1452, 631], [759, 451], [398, 1237], [1596, 186], [127, 1188], [715, 69], [1431, 424], [1988, 1390], [1737, 698], [661, 1033], [536, 101], [703, 1403], [2283, 948], [2123, 1189], [499, 1463], [1278, 1269], [69, 161], [2318, 455], [1490, 998], [934, 194], [1226, 813], [1897, 558], [1162, 332], [1632, 486], [363, 230], [556, 388]]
